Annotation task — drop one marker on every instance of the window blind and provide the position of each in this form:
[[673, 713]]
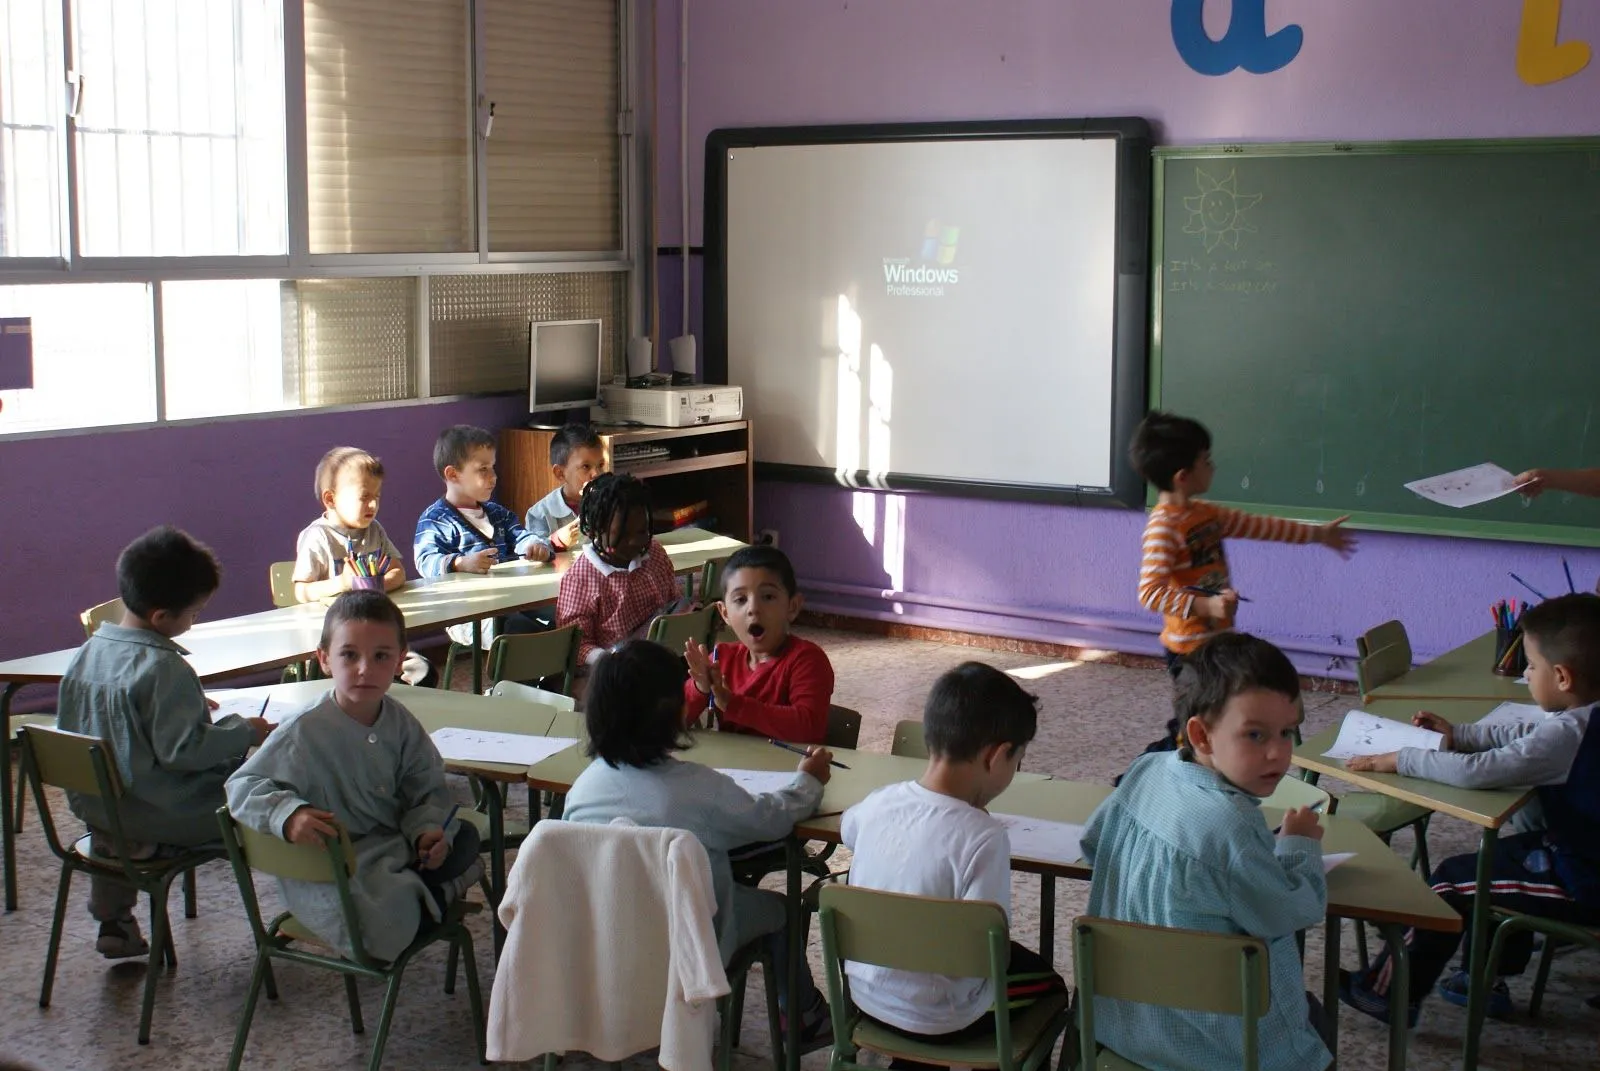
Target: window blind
[[349, 340]]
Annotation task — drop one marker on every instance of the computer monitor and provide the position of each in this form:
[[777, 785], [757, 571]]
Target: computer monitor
[[563, 364]]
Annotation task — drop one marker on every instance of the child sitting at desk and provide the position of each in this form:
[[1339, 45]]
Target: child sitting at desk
[[1182, 843], [577, 456], [932, 837], [349, 485], [361, 760], [622, 578], [130, 686], [465, 532], [634, 719], [1553, 872], [770, 682]]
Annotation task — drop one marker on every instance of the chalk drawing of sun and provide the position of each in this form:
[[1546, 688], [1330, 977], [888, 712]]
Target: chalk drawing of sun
[[1216, 213]]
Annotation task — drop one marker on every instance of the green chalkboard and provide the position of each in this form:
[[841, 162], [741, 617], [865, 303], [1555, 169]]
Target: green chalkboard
[[1347, 318]]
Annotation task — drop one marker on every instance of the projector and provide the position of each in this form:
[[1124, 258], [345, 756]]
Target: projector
[[673, 407]]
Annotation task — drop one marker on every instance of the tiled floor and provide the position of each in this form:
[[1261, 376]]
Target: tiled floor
[[1095, 718]]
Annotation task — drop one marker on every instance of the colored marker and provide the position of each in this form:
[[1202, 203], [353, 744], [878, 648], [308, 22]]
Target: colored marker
[[1571, 589], [803, 751], [1529, 586], [451, 817]]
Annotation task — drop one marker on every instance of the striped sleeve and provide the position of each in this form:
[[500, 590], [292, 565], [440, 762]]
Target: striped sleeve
[[1237, 524], [1156, 590]]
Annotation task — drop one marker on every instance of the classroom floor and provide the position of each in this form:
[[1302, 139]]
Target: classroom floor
[[1094, 719]]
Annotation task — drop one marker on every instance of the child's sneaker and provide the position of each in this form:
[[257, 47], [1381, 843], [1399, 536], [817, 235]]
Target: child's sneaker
[[1358, 994], [1455, 989], [121, 939], [457, 887]]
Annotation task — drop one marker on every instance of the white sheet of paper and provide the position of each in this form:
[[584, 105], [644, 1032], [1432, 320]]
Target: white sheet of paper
[[757, 782], [1334, 859], [1514, 714], [1047, 842], [517, 565], [516, 749], [1466, 487], [1367, 734], [1523, 681], [231, 702]]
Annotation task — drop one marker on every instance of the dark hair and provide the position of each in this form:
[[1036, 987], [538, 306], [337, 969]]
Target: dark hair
[[1567, 630], [362, 606], [1165, 444], [456, 444], [1229, 665], [166, 569], [338, 459], [573, 437], [610, 495], [975, 706], [633, 710], [771, 559]]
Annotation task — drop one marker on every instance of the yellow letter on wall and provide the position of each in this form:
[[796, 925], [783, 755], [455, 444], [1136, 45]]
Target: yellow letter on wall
[[1541, 56]]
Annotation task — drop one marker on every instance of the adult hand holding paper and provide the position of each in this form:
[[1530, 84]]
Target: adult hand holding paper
[[1466, 487]]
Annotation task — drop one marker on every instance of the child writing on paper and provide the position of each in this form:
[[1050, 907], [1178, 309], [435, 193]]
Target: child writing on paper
[[130, 686], [634, 719], [577, 456], [1553, 872], [622, 578], [933, 837], [361, 760], [1182, 843], [349, 485], [770, 682], [1183, 574]]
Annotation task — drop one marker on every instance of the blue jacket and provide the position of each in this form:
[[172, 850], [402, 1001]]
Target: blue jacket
[[443, 535]]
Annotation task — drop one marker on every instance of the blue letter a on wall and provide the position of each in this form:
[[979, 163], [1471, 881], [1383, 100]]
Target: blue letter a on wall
[[1245, 44]]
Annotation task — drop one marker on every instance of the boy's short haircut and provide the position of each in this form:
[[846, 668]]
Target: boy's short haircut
[[771, 559], [1567, 630], [633, 709], [573, 437], [1229, 665], [456, 444], [610, 495], [338, 459], [975, 706], [1164, 444], [166, 569], [372, 606]]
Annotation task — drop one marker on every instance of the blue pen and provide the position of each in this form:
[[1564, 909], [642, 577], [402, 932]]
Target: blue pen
[[1529, 586], [451, 817], [1568, 570]]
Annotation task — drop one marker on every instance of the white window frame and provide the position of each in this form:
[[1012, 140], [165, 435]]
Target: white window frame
[[299, 263]]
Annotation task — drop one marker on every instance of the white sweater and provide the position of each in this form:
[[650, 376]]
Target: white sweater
[[610, 948]]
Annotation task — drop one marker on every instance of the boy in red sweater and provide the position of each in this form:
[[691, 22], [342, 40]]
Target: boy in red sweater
[[769, 683]]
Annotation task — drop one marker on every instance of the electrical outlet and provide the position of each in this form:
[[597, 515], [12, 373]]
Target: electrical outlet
[[767, 537]]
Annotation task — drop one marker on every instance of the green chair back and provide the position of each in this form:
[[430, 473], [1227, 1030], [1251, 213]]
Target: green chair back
[[280, 581], [891, 929], [273, 855], [1388, 634], [1381, 666], [844, 727], [528, 693], [672, 631], [710, 589], [528, 656], [908, 740], [1215, 973], [1294, 792], [72, 762], [95, 616]]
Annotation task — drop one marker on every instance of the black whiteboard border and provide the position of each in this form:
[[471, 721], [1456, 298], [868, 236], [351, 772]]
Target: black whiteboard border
[[1131, 314]]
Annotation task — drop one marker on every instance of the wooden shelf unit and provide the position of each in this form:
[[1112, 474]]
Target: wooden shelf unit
[[708, 462]]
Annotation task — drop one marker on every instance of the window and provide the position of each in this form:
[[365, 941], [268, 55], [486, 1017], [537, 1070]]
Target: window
[[93, 356], [30, 128], [222, 347]]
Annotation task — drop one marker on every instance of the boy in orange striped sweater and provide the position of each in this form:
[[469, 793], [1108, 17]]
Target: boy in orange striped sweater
[[1184, 571]]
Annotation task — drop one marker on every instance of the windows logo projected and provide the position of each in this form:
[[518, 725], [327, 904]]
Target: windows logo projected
[[936, 270]]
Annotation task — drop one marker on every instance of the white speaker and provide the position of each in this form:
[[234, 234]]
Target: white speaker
[[641, 357], [683, 355]]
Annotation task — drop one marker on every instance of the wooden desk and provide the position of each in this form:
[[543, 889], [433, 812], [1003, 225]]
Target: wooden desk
[[1489, 809], [1463, 673]]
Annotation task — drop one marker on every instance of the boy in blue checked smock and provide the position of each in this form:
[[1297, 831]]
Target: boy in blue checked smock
[[1182, 844], [577, 456]]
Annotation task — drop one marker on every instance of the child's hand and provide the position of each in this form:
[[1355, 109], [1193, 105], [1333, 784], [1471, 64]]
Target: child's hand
[[478, 561], [1221, 606], [1335, 537], [212, 704], [1301, 822], [816, 763], [537, 552], [347, 578], [1532, 483], [431, 849], [567, 536], [1428, 720], [310, 827], [699, 660], [1388, 763], [262, 727]]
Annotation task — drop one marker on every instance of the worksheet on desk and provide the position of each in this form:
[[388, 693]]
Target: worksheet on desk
[[1367, 734], [1044, 841], [759, 782], [515, 749], [1515, 714], [250, 706]]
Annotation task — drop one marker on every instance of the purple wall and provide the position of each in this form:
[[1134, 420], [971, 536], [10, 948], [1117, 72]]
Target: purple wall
[[1370, 69]]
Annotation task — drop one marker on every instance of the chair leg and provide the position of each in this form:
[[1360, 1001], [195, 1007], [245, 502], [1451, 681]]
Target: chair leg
[[385, 1019], [353, 998], [450, 968], [737, 996], [725, 1029], [22, 799], [448, 671], [480, 1026], [1419, 853], [1539, 980], [190, 911], [261, 974], [62, 890], [159, 939], [272, 983], [774, 1018]]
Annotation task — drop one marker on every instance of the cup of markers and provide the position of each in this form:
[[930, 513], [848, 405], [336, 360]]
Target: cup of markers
[[1510, 658], [366, 570]]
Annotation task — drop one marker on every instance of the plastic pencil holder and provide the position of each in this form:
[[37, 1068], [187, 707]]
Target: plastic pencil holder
[[366, 583], [1510, 656]]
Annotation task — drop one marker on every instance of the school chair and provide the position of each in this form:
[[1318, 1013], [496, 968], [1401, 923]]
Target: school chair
[[844, 728], [1555, 934], [280, 582], [249, 850], [74, 762], [1293, 792], [908, 742], [1221, 974], [530, 694], [891, 930], [710, 590], [672, 631], [524, 656], [95, 616]]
